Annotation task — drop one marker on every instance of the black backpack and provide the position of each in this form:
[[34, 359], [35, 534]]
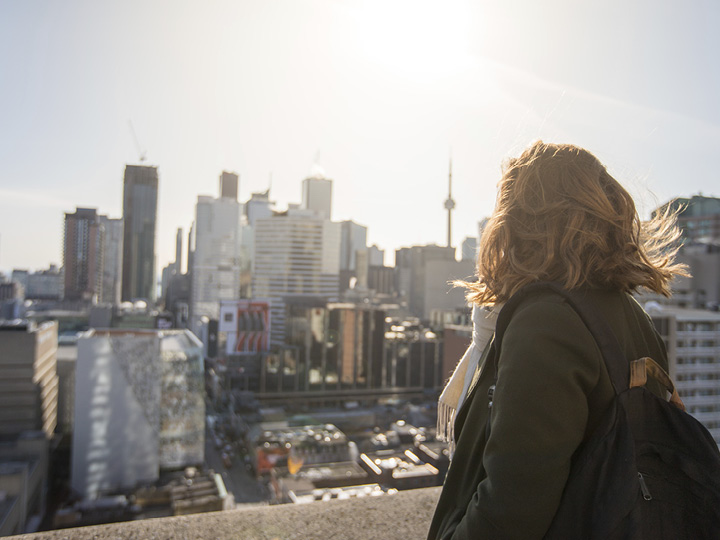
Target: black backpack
[[650, 470]]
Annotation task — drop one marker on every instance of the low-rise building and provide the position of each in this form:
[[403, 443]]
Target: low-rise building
[[23, 481], [28, 377], [399, 469], [300, 446], [329, 494], [139, 408], [45, 284], [318, 476]]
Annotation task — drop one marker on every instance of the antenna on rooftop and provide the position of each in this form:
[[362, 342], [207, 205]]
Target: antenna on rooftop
[[142, 153]]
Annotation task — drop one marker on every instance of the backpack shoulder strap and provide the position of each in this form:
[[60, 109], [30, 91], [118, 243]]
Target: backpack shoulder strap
[[617, 365]]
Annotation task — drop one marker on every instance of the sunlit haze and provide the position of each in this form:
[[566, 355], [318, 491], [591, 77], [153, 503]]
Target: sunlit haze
[[380, 93]]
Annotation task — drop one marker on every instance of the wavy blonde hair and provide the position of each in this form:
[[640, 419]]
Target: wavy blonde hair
[[560, 216]]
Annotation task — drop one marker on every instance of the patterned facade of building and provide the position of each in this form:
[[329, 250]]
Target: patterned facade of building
[[296, 255], [139, 408]]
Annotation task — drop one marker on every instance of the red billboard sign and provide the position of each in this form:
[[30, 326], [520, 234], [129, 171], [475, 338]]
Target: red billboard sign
[[253, 327]]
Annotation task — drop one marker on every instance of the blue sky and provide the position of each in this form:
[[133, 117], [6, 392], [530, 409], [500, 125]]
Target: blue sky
[[384, 90]]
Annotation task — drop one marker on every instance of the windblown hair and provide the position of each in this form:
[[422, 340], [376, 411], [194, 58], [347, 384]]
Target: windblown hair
[[561, 217]]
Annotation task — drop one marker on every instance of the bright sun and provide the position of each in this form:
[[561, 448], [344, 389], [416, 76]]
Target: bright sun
[[415, 38]]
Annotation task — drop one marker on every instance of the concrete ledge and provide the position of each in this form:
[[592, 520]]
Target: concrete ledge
[[406, 514]]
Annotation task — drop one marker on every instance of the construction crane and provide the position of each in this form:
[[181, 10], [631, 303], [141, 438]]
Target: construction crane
[[142, 153]]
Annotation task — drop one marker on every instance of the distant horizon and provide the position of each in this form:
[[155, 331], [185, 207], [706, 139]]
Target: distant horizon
[[389, 252]]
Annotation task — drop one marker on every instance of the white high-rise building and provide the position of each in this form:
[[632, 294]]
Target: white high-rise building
[[317, 192], [112, 259], [219, 257], [296, 254], [376, 256], [139, 408], [353, 239], [258, 206]]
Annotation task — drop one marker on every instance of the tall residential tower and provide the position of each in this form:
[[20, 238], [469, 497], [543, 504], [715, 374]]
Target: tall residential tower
[[83, 255], [140, 197]]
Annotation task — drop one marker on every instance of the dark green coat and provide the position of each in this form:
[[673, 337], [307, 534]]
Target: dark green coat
[[551, 391]]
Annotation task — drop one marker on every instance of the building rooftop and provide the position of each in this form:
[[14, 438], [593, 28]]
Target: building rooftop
[[682, 313], [327, 471], [317, 434], [406, 514]]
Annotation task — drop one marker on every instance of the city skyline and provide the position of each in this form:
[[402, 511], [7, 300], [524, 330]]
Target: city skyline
[[385, 91]]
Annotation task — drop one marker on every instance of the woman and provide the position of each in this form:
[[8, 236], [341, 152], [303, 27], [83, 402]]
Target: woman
[[559, 217]]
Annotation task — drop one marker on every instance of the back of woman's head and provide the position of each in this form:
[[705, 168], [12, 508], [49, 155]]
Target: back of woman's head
[[560, 216]]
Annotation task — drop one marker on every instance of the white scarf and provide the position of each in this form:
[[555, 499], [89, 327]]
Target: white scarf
[[456, 390]]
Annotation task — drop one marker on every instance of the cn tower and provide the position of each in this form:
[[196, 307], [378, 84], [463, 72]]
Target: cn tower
[[449, 205]]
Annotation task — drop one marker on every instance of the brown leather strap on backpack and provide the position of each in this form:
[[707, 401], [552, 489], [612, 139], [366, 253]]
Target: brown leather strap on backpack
[[639, 370]]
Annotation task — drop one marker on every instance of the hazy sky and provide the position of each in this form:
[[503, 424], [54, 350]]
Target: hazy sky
[[384, 90]]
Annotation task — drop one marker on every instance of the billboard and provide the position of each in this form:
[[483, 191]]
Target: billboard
[[246, 324]]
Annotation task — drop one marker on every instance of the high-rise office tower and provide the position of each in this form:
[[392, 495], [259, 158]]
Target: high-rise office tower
[[173, 268], [83, 255], [376, 256], [317, 193], [112, 259], [424, 275], [353, 239], [297, 254], [190, 248], [218, 258], [178, 250], [698, 217], [258, 206], [469, 249], [353, 255], [229, 185], [140, 195]]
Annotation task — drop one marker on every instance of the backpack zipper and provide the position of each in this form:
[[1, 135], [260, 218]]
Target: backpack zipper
[[644, 488]]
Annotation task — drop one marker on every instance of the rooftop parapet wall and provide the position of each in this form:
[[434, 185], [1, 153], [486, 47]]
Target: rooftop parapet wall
[[406, 514]]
